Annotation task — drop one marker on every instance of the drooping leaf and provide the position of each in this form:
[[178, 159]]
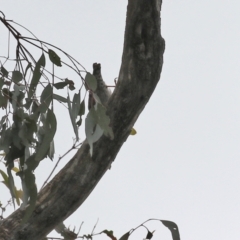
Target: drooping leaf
[[46, 98], [5, 178], [59, 98], [173, 228], [17, 76], [51, 150], [1, 83], [37, 73], [76, 105], [4, 71], [125, 236], [72, 117], [11, 182], [5, 139], [110, 234], [91, 81], [5, 96], [60, 85], [46, 93], [54, 58], [50, 127], [29, 180], [82, 108], [149, 235], [79, 122]]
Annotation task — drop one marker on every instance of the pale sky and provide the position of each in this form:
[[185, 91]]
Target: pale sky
[[183, 164]]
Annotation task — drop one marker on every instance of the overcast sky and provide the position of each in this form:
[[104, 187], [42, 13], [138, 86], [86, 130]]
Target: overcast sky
[[183, 164]]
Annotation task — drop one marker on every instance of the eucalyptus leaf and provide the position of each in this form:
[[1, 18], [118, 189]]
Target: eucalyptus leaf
[[82, 108], [60, 85], [173, 228], [59, 98], [76, 105], [54, 58], [17, 76], [4, 71], [72, 117], [5, 178], [50, 130], [29, 179], [46, 98], [1, 83], [51, 150], [37, 73], [11, 182]]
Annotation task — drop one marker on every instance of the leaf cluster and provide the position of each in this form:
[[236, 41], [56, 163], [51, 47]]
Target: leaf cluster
[[29, 123]]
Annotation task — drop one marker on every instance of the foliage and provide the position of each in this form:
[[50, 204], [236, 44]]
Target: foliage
[[27, 97], [66, 233]]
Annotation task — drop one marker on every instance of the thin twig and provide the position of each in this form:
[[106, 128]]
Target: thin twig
[[60, 158]]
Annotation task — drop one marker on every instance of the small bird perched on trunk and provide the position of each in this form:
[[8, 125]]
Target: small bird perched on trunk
[[102, 92]]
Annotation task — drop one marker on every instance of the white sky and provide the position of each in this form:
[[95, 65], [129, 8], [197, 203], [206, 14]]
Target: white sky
[[183, 165]]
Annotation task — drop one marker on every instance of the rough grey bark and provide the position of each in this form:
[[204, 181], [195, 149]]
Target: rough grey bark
[[139, 74]]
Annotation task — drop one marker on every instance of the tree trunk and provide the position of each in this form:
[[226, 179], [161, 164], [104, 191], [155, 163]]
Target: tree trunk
[[139, 74]]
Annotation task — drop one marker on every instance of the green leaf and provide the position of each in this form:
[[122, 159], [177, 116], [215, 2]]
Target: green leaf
[[110, 234], [3, 102], [11, 181], [72, 117], [29, 181], [51, 150], [46, 94], [50, 127], [1, 83], [4, 71], [76, 105], [54, 58], [82, 108], [6, 139], [37, 73], [125, 236], [173, 228], [149, 235], [17, 76], [5, 178], [59, 98], [60, 85], [91, 81], [46, 98]]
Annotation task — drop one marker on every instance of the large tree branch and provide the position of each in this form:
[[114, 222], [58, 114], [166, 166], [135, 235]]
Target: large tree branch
[[139, 74]]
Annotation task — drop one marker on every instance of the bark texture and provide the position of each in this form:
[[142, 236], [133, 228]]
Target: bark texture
[[139, 74]]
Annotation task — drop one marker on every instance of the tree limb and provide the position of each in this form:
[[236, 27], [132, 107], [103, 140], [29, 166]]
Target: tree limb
[[139, 74]]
